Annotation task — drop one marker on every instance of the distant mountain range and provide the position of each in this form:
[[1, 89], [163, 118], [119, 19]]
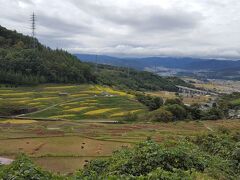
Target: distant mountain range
[[208, 67]]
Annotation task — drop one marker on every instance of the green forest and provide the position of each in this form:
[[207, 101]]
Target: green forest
[[20, 64]]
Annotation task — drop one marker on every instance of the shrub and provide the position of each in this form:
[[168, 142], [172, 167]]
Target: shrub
[[179, 112], [23, 168], [161, 115], [130, 117], [146, 158], [151, 102], [173, 101]]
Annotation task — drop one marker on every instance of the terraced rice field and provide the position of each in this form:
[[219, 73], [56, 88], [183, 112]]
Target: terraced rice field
[[68, 143], [72, 101]]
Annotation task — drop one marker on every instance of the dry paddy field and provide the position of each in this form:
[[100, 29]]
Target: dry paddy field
[[65, 146]]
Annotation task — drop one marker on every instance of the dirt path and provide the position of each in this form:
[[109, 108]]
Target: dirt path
[[5, 161]]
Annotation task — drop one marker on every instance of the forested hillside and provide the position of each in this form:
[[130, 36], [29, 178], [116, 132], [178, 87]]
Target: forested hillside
[[137, 80], [20, 64]]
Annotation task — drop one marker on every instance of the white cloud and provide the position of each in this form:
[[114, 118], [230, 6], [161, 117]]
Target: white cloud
[[206, 28]]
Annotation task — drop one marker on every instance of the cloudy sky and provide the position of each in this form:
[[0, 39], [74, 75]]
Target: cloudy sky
[[196, 28]]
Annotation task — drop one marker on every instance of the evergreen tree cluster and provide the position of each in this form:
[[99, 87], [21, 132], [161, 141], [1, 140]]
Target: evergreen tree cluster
[[21, 64]]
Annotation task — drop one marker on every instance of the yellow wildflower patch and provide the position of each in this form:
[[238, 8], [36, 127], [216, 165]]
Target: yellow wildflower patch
[[100, 111]]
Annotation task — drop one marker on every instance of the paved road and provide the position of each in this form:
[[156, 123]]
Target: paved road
[[5, 161]]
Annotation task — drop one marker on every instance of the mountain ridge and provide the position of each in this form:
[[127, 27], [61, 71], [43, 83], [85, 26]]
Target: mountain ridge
[[173, 66], [168, 62]]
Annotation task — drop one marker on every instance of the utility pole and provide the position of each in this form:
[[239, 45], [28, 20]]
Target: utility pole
[[96, 64], [33, 28]]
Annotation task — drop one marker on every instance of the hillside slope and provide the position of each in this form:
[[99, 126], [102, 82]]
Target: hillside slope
[[21, 64]]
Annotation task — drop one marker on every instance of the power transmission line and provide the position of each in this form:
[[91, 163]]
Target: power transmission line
[[33, 28]]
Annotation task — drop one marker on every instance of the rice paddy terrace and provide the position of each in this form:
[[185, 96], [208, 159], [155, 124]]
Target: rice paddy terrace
[[75, 102], [66, 144]]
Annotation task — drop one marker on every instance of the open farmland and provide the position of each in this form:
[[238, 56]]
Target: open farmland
[[187, 99], [77, 135], [64, 146], [219, 86], [72, 101]]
